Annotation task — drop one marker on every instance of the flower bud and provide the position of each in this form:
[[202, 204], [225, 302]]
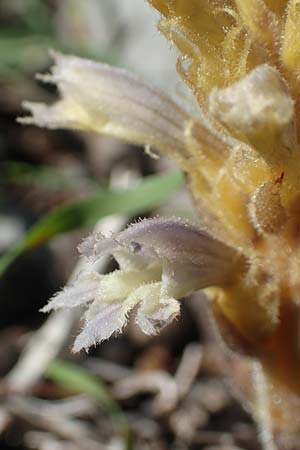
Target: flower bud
[[260, 110]]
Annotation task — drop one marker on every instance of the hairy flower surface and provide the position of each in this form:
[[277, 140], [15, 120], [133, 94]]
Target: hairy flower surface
[[241, 155], [160, 261]]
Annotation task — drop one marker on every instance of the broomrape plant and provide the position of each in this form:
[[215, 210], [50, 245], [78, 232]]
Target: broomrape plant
[[241, 156]]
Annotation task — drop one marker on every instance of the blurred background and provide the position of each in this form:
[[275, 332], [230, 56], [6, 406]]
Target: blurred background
[[132, 392]]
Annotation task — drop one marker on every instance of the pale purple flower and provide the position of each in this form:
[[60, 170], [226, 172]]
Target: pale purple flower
[[109, 100], [160, 261]]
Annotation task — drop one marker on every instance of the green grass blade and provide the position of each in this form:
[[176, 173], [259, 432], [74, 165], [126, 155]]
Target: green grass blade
[[77, 379], [147, 194]]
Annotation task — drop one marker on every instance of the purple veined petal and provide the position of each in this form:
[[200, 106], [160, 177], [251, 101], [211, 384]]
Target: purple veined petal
[[172, 238], [185, 245], [98, 97], [110, 319], [83, 290]]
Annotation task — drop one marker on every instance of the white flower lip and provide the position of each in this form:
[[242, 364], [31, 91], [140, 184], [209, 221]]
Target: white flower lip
[[160, 261]]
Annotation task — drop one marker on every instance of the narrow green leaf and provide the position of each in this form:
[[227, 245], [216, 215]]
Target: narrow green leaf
[[147, 194], [77, 379]]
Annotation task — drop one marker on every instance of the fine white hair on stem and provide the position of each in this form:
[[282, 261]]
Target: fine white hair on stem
[[264, 419]]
